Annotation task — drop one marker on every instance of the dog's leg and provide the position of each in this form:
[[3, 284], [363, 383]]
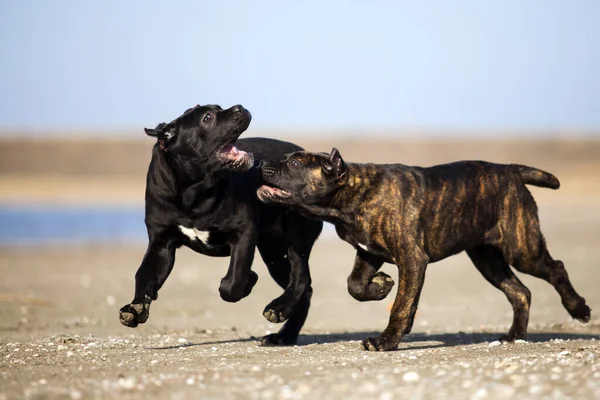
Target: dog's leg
[[240, 279], [273, 250], [290, 270], [152, 274], [524, 247], [541, 265], [490, 262], [411, 267], [287, 261], [364, 282]]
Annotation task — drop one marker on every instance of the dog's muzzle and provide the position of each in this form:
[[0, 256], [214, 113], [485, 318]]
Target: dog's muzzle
[[266, 171]]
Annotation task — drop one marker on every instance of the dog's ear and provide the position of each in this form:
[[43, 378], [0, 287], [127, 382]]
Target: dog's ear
[[335, 165], [162, 131]]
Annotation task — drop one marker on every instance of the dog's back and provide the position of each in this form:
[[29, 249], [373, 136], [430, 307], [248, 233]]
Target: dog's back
[[264, 148], [450, 206], [464, 201]]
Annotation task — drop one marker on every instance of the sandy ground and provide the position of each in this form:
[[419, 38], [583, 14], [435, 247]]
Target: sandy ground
[[60, 336], [109, 171]]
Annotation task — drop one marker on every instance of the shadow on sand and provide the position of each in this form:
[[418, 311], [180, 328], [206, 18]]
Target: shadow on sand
[[438, 340]]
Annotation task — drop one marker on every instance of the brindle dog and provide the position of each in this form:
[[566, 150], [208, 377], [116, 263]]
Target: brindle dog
[[413, 216]]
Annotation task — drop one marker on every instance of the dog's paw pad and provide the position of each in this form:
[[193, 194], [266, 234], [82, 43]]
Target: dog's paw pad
[[384, 281], [132, 315], [128, 319], [380, 286], [274, 316], [279, 310], [371, 344]]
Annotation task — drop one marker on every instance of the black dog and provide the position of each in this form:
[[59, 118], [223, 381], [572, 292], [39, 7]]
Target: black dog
[[201, 193], [412, 216]]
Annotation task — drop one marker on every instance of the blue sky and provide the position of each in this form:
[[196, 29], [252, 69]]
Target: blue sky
[[338, 65]]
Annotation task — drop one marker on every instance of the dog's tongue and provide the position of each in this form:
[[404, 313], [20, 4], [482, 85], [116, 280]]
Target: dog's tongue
[[231, 149]]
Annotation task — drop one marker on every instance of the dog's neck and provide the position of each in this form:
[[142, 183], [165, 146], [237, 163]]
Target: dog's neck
[[188, 171], [354, 187], [341, 207]]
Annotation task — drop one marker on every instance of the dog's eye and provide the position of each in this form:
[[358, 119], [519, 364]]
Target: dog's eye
[[294, 163], [207, 118]]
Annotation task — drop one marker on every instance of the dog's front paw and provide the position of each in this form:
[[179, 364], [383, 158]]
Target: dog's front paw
[[381, 343], [384, 284], [134, 314], [276, 339], [252, 279], [378, 287], [277, 311], [232, 293]]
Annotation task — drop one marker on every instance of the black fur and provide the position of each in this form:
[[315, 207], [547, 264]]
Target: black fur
[[201, 180]]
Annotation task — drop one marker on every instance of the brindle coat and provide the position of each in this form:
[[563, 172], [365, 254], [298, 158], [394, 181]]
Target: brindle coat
[[413, 216]]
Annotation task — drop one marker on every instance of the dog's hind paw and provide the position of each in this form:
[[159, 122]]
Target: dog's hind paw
[[275, 317], [581, 313], [511, 337], [380, 343], [133, 314], [278, 310], [275, 339]]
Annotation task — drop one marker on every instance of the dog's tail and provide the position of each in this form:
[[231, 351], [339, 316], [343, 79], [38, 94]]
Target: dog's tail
[[537, 177]]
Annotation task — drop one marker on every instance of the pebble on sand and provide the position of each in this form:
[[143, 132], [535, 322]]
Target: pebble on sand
[[126, 383], [410, 377]]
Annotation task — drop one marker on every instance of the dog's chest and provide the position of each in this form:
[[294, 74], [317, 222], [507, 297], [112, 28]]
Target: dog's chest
[[349, 235], [362, 241], [194, 234]]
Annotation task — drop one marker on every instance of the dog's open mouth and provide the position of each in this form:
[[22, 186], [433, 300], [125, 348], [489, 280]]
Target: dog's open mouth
[[271, 192], [235, 157], [231, 152]]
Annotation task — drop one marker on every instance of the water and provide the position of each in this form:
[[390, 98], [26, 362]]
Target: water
[[47, 225], [67, 224]]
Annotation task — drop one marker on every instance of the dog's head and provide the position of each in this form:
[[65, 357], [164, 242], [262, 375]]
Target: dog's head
[[302, 178], [207, 135]]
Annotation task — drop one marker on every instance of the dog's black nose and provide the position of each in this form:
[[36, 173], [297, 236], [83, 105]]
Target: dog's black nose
[[237, 108], [264, 164], [265, 170]]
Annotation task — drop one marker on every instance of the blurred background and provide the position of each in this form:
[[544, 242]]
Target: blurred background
[[386, 81], [419, 83]]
